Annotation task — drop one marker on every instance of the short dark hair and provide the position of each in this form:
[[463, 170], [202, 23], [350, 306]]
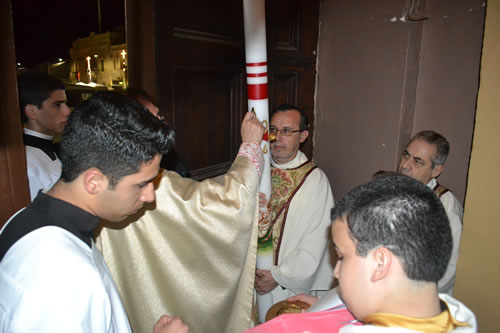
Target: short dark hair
[[113, 133], [34, 88], [139, 95], [403, 215], [383, 173], [436, 139], [304, 122]]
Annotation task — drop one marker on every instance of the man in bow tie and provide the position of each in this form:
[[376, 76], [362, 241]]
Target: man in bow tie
[[42, 101]]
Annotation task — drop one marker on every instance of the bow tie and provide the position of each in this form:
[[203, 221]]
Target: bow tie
[[45, 145]]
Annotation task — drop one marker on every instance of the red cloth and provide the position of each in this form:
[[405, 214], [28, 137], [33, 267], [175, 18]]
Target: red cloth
[[314, 322]]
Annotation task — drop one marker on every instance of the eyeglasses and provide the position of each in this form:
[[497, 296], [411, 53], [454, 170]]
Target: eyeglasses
[[286, 131]]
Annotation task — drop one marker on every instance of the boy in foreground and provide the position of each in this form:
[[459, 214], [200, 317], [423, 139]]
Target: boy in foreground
[[393, 241]]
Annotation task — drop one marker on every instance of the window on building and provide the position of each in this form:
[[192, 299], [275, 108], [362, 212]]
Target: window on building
[[102, 65]]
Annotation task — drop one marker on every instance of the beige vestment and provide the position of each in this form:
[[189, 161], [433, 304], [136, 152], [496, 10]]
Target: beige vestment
[[193, 255]]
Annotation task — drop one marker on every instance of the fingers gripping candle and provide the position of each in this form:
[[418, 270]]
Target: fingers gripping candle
[[256, 67]]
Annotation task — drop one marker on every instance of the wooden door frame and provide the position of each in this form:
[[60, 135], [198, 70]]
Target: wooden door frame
[[140, 37], [14, 190]]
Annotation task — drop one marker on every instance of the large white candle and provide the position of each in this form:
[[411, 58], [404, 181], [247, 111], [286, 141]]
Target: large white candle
[[256, 67]]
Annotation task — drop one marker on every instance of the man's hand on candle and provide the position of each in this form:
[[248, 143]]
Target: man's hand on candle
[[264, 281], [252, 129]]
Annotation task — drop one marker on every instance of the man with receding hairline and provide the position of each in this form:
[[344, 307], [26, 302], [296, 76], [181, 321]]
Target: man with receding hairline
[[424, 159], [301, 199]]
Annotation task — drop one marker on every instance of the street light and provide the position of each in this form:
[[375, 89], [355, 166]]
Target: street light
[[124, 53], [90, 70]]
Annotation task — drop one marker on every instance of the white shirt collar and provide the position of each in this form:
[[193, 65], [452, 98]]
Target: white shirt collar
[[432, 183], [37, 134], [299, 159]]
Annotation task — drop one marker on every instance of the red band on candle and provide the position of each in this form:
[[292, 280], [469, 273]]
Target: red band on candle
[[256, 74], [257, 91], [265, 137], [255, 64]]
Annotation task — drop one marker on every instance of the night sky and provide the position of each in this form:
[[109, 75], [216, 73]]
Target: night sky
[[45, 29]]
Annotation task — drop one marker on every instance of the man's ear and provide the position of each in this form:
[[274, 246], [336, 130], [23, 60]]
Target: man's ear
[[303, 135], [94, 181], [383, 260], [437, 171], [31, 111]]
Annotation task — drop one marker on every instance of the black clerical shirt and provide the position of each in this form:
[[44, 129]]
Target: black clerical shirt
[[48, 211]]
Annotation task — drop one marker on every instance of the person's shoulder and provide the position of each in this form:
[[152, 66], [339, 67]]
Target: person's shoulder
[[37, 159], [52, 268], [319, 176], [448, 194], [317, 186], [451, 203], [35, 154], [460, 312], [47, 276], [301, 159], [19, 225], [50, 253]]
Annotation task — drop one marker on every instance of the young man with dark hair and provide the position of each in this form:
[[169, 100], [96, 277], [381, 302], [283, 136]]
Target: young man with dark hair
[[423, 159], [195, 249], [145, 99], [44, 112], [393, 241], [52, 277], [169, 161]]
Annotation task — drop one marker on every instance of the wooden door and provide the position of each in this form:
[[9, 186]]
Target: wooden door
[[199, 69], [292, 38], [197, 72], [14, 192]]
